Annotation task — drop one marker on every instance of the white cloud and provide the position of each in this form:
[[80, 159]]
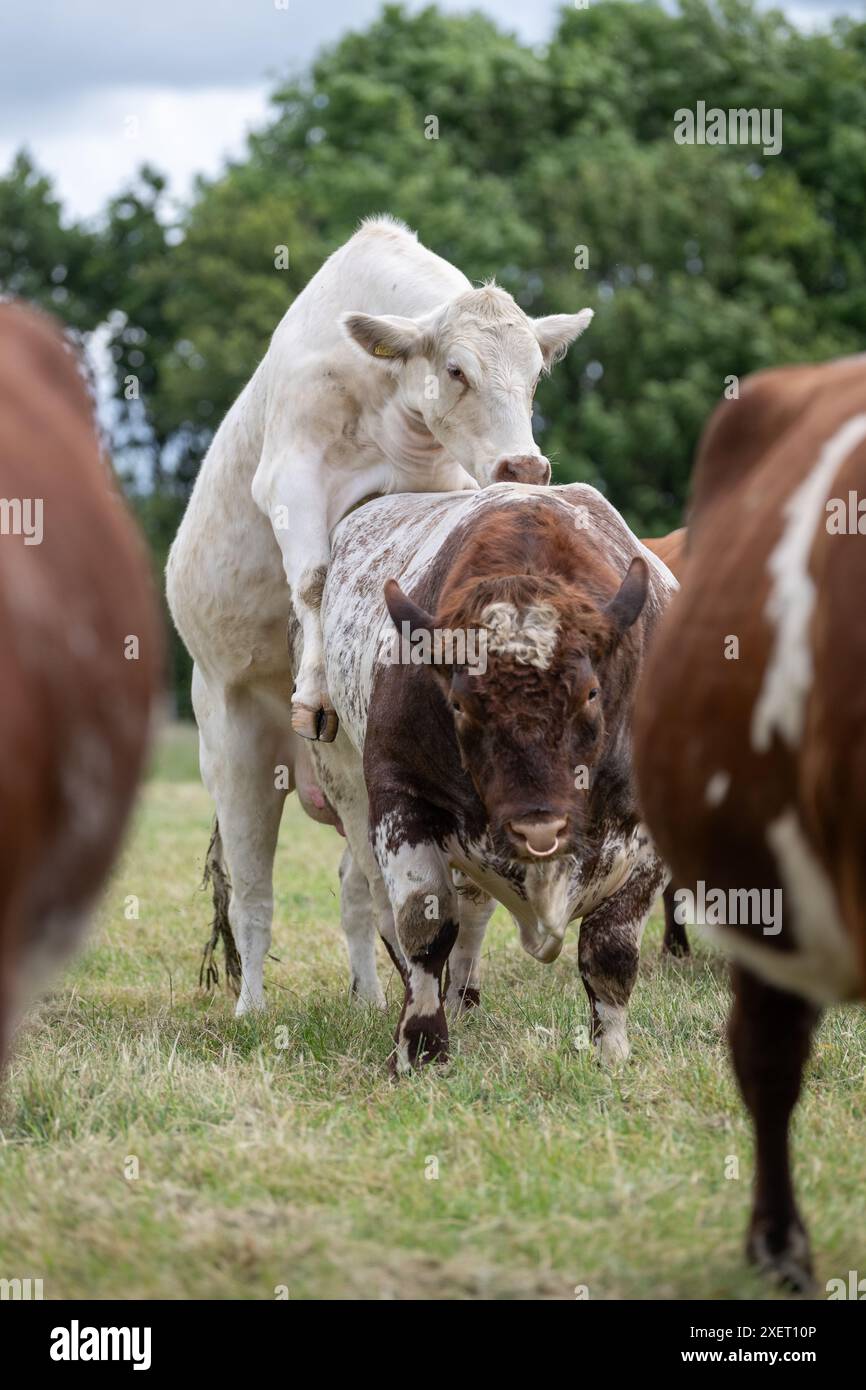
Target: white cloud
[[103, 140]]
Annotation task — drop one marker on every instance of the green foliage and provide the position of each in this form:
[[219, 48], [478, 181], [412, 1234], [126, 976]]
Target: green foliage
[[41, 258], [704, 262]]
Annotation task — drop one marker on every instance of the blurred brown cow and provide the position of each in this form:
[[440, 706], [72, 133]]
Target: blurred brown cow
[[750, 739], [80, 656]]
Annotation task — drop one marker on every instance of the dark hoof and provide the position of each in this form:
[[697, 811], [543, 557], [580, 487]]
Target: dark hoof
[[327, 725], [782, 1255], [680, 950], [419, 1044], [464, 1001]]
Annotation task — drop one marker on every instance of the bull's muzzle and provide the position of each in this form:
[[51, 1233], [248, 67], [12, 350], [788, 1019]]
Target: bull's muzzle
[[537, 839]]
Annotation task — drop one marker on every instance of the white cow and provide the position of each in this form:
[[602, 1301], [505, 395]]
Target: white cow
[[389, 373]]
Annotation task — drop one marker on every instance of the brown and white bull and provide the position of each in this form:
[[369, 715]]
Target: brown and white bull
[[503, 753], [750, 740], [80, 655], [388, 374]]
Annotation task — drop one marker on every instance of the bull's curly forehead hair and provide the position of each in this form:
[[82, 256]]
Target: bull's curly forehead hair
[[528, 636], [530, 620]]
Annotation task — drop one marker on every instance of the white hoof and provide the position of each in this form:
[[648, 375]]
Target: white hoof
[[246, 1005], [367, 996], [612, 1041]]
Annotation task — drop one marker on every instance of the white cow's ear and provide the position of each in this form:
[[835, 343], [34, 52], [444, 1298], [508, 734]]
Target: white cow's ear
[[387, 336], [557, 332]]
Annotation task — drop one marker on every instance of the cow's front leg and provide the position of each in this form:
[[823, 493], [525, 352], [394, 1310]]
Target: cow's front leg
[[295, 503], [463, 976], [426, 917], [770, 1033], [608, 955]]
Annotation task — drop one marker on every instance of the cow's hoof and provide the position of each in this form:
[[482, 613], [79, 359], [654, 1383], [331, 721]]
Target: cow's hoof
[[462, 1001], [318, 725], [613, 1050], [676, 950], [246, 1005], [327, 725], [418, 1045], [367, 995], [783, 1255]]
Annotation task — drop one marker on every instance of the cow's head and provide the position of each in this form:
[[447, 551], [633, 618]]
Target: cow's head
[[534, 725], [469, 370]]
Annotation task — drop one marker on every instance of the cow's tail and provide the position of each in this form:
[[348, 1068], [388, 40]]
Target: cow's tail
[[216, 874]]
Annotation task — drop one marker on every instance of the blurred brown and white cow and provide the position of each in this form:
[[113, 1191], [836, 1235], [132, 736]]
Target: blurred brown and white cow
[[506, 758], [750, 738], [671, 550], [79, 638]]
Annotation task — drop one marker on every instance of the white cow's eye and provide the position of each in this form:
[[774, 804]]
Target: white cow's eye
[[456, 373]]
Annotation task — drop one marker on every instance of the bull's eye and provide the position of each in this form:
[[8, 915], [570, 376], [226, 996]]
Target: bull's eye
[[593, 694], [456, 373]]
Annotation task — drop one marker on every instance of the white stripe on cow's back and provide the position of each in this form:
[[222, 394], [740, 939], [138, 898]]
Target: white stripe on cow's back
[[781, 703]]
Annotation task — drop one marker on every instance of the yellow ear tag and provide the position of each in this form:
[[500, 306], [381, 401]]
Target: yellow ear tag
[[382, 350]]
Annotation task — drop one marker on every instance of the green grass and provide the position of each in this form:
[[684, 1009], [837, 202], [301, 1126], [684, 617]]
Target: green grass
[[262, 1165]]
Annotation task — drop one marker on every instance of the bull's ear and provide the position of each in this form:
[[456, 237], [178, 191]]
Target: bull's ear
[[557, 332], [386, 336], [403, 610], [627, 603]]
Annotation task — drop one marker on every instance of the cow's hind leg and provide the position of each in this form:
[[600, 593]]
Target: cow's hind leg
[[770, 1033], [463, 975], [675, 941], [359, 927], [241, 747]]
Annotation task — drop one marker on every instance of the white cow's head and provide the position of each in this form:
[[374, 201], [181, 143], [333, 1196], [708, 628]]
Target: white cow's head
[[469, 368]]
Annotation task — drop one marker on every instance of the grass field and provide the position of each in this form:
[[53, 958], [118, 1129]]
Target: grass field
[[260, 1165]]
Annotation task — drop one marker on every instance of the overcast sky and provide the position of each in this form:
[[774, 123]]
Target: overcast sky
[[194, 75]]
